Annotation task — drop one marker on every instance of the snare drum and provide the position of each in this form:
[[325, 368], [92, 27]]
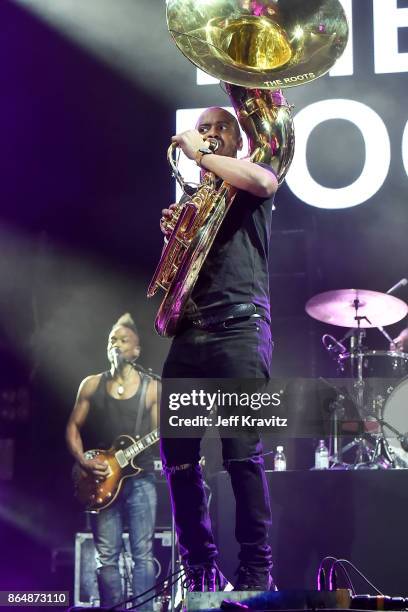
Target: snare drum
[[374, 375], [396, 415], [374, 364]]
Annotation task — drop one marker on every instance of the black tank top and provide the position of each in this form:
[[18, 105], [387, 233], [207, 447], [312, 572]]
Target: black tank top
[[109, 418]]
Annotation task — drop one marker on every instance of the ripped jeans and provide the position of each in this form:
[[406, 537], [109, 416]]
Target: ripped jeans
[[136, 504], [241, 350]]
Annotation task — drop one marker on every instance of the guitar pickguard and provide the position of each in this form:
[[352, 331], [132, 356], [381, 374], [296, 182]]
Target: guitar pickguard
[[121, 459]]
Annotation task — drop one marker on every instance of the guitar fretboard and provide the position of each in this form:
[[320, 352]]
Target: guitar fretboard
[[141, 445]]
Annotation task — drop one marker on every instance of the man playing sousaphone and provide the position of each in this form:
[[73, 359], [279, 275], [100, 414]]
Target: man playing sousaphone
[[228, 336], [222, 329]]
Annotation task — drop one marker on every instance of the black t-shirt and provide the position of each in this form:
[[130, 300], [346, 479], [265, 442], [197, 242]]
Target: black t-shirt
[[236, 268]]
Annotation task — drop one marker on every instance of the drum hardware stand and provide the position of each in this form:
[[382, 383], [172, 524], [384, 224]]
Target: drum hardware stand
[[380, 454], [337, 411], [363, 448], [338, 408], [384, 449], [356, 352], [383, 454], [367, 452], [362, 445]]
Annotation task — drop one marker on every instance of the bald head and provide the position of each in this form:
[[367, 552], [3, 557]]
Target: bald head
[[223, 113], [216, 122]]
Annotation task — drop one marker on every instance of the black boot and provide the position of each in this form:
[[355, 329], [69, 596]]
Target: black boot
[[252, 578], [216, 581], [201, 578]]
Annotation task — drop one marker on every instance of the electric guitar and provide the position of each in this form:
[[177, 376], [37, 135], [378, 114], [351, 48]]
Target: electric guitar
[[98, 493]]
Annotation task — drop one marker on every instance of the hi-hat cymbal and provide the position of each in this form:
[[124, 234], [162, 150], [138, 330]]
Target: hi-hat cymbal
[[339, 308]]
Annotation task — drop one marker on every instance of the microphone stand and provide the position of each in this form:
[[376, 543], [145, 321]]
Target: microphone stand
[[139, 368]]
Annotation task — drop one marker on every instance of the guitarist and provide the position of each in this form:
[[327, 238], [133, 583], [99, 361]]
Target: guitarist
[[119, 401]]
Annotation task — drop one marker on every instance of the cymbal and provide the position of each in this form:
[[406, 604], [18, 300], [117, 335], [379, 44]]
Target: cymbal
[[338, 308]]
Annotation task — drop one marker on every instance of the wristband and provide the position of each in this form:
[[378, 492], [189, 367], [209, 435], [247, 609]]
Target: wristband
[[200, 154]]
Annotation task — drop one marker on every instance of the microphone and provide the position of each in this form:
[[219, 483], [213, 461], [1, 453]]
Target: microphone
[[116, 358], [400, 284], [332, 345]]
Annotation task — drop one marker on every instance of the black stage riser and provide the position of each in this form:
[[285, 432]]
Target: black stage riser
[[358, 515]]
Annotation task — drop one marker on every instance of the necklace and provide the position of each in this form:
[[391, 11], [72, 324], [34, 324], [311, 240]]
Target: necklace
[[120, 389]]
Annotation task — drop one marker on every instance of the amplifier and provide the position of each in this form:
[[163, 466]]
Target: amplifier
[[86, 586]]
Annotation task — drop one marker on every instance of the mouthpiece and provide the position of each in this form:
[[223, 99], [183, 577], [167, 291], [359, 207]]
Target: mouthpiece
[[212, 144]]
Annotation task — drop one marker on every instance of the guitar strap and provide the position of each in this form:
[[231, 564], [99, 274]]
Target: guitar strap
[[144, 381]]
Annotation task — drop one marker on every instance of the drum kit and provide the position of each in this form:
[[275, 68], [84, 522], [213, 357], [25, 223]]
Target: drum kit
[[374, 382]]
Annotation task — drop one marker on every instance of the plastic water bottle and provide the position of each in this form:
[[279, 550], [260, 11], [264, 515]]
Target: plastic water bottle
[[322, 456], [279, 460]]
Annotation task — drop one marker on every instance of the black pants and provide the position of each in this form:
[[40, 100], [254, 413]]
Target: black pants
[[242, 349]]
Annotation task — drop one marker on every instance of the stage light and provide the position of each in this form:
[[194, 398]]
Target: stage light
[[24, 512], [126, 36]]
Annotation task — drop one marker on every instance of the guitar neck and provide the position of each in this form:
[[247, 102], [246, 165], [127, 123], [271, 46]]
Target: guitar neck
[[141, 445]]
